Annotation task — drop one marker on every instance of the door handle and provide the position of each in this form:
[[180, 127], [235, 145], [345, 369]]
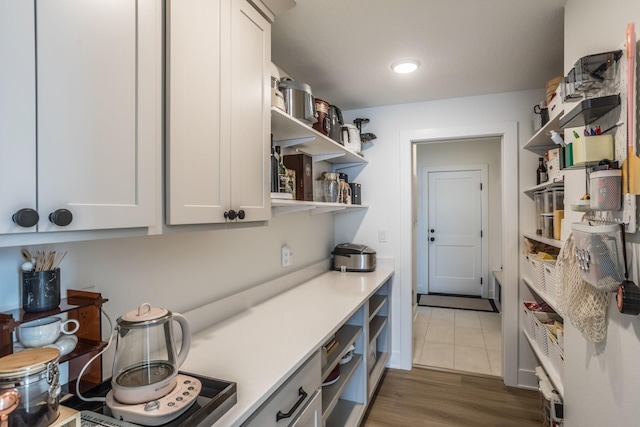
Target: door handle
[[432, 239], [432, 230]]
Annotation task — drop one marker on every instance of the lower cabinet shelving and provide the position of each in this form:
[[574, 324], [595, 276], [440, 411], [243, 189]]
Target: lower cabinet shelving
[[551, 370], [379, 337], [543, 283], [344, 402], [331, 395]]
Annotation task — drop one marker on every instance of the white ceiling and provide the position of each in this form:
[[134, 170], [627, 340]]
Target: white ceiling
[[344, 48]]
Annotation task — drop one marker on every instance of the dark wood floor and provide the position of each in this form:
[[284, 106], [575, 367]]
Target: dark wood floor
[[423, 397]]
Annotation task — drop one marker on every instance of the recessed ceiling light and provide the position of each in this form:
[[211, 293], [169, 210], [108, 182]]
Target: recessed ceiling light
[[405, 66]]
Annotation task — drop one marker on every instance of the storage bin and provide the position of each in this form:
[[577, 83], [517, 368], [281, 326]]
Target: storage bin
[[598, 249], [558, 217], [556, 354], [550, 280], [592, 149], [538, 197], [547, 226], [606, 190], [547, 198], [535, 272], [540, 324], [557, 198], [529, 317]]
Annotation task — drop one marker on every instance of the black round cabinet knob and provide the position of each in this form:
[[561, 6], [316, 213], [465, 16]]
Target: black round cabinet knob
[[26, 217], [230, 215], [61, 217], [241, 214]]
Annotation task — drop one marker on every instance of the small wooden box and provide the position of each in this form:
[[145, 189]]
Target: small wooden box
[[303, 165]]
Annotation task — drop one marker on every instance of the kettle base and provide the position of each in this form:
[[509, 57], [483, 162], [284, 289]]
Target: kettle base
[[158, 411]]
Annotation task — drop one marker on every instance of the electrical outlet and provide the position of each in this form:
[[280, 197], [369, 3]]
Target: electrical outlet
[[287, 256]]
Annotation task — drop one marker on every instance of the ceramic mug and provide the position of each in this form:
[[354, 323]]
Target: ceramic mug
[[45, 331]]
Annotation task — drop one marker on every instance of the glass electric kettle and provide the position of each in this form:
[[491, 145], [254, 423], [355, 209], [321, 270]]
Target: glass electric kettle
[[146, 362]]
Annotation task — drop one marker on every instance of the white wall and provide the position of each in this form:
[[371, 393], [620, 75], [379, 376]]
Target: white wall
[[600, 380], [382, 190], [179, 271]]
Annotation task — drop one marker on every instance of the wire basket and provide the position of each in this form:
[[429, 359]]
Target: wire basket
[[598, 249]]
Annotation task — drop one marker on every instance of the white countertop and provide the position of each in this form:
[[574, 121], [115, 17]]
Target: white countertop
[[261, 347]]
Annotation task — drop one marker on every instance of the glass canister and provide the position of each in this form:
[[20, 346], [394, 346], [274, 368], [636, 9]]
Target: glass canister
[[547, 226], [32, 376], [539, 199], [331, 187]]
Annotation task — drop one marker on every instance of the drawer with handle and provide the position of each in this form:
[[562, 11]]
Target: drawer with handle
[[288, 402]]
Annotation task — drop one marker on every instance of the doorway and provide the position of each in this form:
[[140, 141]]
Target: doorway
[[507, 189], [452, 223]]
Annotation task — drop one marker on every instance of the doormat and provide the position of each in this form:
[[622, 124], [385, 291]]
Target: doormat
[[458, 302]]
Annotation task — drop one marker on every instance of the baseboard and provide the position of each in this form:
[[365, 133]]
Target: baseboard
[[527, 379]]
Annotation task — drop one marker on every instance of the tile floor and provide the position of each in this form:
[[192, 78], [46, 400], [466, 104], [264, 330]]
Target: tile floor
[[462, 340]]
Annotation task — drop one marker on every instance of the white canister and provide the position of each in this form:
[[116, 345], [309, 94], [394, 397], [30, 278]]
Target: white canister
[[351, 138]]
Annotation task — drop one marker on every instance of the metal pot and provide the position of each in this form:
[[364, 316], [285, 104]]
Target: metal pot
[[33, 375], [299, 101], [335, 123], [353, 257]]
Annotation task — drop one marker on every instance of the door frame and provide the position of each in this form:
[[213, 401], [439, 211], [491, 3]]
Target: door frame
[[508, 133], [423, 197]]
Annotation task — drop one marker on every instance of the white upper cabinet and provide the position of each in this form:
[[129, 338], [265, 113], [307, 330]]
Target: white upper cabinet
[[97, 116], [17, 115], [250, 104], [196, 159], [218, 124]]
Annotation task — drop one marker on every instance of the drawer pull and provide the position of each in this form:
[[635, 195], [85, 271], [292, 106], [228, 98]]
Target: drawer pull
[[281, 416]]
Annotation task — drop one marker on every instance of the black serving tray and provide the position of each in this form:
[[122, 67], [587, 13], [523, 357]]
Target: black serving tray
[[215, 399]]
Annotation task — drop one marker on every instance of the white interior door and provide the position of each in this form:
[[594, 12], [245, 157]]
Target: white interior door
[[455, 232]]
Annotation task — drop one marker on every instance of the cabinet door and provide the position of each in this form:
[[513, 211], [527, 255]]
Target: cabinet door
[[197, 158], [311, 416], [99, 111], [250, 119], [17, 112]]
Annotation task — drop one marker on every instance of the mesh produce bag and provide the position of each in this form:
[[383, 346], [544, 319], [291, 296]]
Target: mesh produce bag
[[585, 305]]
